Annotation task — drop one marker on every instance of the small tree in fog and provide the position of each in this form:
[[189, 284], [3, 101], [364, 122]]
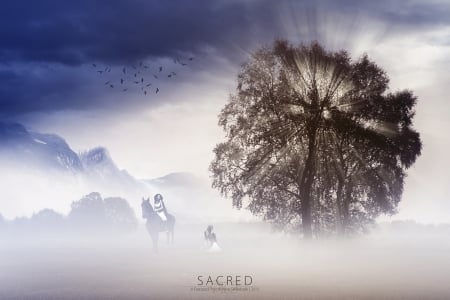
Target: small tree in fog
[[119, 214], [315, 140], [95, 214], [88, 212], [47, 220]]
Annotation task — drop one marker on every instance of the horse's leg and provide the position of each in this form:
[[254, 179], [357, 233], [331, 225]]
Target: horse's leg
[[171, 230], [168, 236], [152, 236], [155, 242], [171, 226]]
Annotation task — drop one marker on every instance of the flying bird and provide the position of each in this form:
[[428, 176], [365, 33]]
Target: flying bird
[[141, 70]]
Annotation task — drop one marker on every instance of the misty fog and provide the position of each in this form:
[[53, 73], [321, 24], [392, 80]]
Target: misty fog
[[27, 190], [78, 236], [400, 260]]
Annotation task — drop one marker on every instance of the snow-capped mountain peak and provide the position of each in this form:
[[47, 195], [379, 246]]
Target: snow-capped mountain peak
[[96, 156], [49, 155], [37, 149]]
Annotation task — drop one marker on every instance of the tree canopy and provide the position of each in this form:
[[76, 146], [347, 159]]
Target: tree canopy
[[315, 141], [94, 213]]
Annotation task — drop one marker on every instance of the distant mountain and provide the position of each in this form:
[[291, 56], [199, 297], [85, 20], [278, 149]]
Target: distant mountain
[[43, 152], [181, 180], [30, 149], [98, 163], [100, 167], [33, 149]]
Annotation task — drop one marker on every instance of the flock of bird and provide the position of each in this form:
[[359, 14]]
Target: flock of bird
[[141, 75]]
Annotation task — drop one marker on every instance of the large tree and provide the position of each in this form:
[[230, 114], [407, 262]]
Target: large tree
[[314, 139]]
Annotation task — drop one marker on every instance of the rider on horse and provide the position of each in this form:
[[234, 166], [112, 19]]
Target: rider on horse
[[159, 207]]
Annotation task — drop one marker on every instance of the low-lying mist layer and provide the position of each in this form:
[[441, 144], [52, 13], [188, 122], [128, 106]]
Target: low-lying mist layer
[[395, 261]]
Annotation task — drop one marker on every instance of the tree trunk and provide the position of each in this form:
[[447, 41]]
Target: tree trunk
[[339, 199], [306, 186], [346, 207]]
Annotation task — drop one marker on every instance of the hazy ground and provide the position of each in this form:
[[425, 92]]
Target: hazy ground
[[377, 266]]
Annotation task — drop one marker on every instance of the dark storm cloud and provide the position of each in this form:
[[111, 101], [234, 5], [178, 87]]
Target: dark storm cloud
[[40, 89], [118, 31], [74, 32], [37, 34]]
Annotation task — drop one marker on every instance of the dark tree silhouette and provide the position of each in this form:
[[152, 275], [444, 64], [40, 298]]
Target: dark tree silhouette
[[314, 139]]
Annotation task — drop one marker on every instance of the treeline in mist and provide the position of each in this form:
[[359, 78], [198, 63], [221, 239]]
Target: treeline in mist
[[90, 215]]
